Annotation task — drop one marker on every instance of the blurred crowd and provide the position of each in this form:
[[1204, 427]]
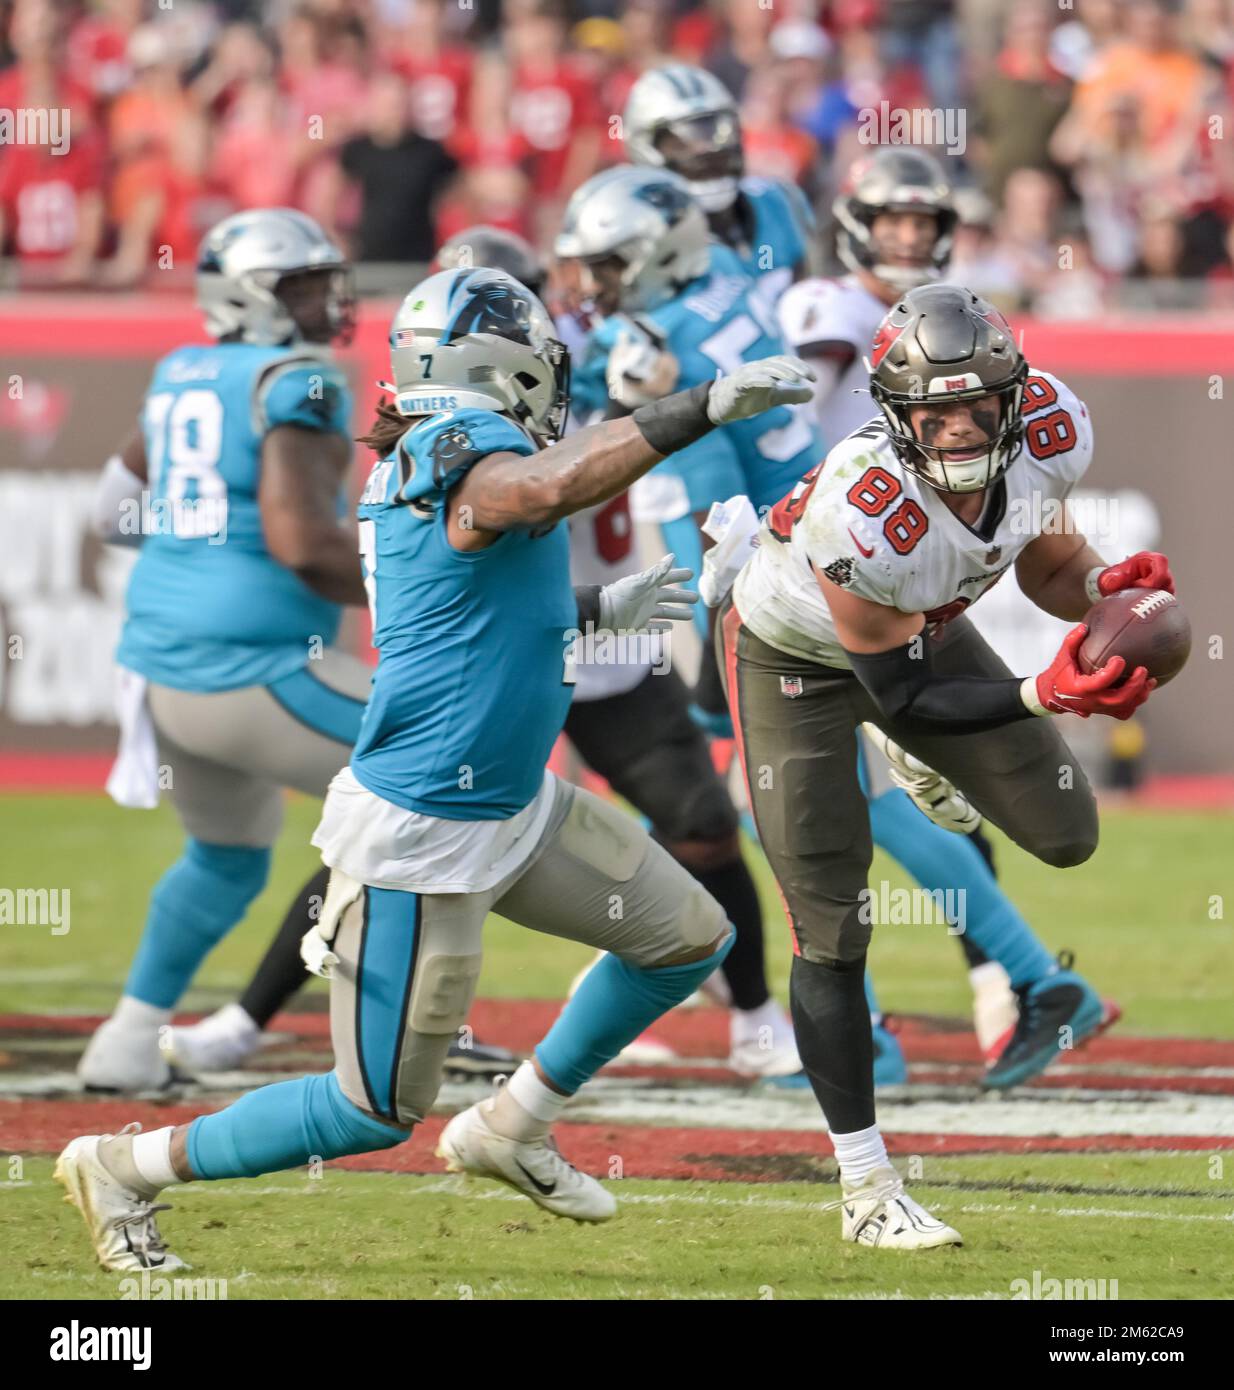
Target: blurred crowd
[[1091, 141]]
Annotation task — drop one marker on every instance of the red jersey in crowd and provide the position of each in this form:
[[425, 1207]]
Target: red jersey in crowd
[[550, 104], [438, 90]]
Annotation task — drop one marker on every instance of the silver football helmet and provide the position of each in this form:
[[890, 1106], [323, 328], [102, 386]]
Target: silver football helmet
[[943, 343], [479, 338], [648, 221], [684, 119], [241, 263], [894, 179]]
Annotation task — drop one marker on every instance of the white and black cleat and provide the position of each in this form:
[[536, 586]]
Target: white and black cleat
[[121, 1224], [878, 1212], [535, 1169]]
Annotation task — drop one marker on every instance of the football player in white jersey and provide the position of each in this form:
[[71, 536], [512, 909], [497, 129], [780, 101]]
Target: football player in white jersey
[[852, 610], [894, 224], [895, 220]]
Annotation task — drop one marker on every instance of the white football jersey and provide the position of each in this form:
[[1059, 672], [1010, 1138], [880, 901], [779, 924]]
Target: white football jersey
[[602, 550], [836, 311], [871, 526]]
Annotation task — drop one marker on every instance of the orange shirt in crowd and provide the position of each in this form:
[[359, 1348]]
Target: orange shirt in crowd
[[1163, 86]]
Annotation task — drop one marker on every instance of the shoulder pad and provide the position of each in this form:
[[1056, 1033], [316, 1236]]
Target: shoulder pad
[[437, 453], [301, 390]]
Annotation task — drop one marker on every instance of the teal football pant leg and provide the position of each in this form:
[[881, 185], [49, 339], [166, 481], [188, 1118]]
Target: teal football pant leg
[[614, 1003], [284, 1126], [872, 1000], [941, 860], [193, 907]]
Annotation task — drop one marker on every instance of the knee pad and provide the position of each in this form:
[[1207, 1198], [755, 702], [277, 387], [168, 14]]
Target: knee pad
[[699, 921], [598, 834]]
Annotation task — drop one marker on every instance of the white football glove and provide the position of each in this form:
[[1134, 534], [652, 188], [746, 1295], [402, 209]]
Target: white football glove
[[932, 794], [758, 386], [639, 371], [647, 602]]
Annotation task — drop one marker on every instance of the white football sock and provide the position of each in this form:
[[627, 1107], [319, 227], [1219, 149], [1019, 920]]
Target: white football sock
[[525, 1107], [141, 1162], [136, 1013], [859, 1153]]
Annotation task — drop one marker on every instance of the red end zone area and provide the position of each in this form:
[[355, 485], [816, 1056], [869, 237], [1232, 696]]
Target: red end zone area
[[693, 1118]]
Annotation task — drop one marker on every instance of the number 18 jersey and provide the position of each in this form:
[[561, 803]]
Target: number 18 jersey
[[870, 526]]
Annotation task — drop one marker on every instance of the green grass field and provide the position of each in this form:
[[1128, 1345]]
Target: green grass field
[[379, 1235], [1144, 917], [1139, 916]]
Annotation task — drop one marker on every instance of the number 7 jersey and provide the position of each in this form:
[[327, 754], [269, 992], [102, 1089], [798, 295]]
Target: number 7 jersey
[[870, 526]]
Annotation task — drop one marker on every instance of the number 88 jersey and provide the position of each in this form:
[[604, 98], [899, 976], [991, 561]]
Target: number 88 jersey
[[872, 527]]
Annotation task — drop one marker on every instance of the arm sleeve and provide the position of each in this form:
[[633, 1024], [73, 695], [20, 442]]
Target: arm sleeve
[[913, 698]]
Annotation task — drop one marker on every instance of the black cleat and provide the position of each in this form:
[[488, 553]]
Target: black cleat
[[479, 1059], [1057, 1014]]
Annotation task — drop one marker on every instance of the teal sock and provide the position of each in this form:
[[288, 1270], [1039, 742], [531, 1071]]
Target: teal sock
[[284, 1126], [193, 907], [614, 1004]]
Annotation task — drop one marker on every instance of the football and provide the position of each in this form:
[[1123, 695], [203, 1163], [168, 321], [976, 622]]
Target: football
[[1146, 627]]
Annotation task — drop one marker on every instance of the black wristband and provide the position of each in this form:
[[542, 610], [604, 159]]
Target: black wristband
[[675, 421], [587, 596]]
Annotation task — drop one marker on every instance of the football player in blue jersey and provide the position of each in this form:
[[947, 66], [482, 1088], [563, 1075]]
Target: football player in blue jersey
[[684, 119], [647, 262], [446, 810], [239, 462]]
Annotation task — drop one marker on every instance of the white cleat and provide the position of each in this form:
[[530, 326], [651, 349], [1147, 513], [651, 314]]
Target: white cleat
[[646, 1051], [762, 1044], [535, 1169], [223, 1041], [996, 1010], [878, 1211], [934, 796], [758, 1063], [124, 1057], [121, 1224]]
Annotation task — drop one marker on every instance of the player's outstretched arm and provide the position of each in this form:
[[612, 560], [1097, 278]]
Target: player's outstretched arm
[[890, 655], [301, 470], [504, 492]]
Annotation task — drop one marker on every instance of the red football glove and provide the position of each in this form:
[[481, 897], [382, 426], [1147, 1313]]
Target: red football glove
[[1065, 689], [1145, 570]]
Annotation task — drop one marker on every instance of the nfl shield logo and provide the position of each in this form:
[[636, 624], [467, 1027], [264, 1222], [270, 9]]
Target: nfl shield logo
[[790, 687]]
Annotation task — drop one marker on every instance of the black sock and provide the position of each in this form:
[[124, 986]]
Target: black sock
[[744, 967], [282, 972], [832, 1023], [973, 953], [984, 848], [708, 692]]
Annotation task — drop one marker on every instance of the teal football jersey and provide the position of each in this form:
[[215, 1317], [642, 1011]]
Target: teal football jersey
[[717, 323], [208, 607], [472, 684]]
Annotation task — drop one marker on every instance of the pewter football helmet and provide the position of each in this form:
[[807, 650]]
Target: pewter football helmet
[[893, 179], [647, 219], [699, 110], [497, 249], [479, 338], [939, 343], [243, 258]]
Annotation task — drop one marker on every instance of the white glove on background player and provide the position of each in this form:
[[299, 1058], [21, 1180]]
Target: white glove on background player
[[647, 602], [932, 794], [758, 386], [639, 371]]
